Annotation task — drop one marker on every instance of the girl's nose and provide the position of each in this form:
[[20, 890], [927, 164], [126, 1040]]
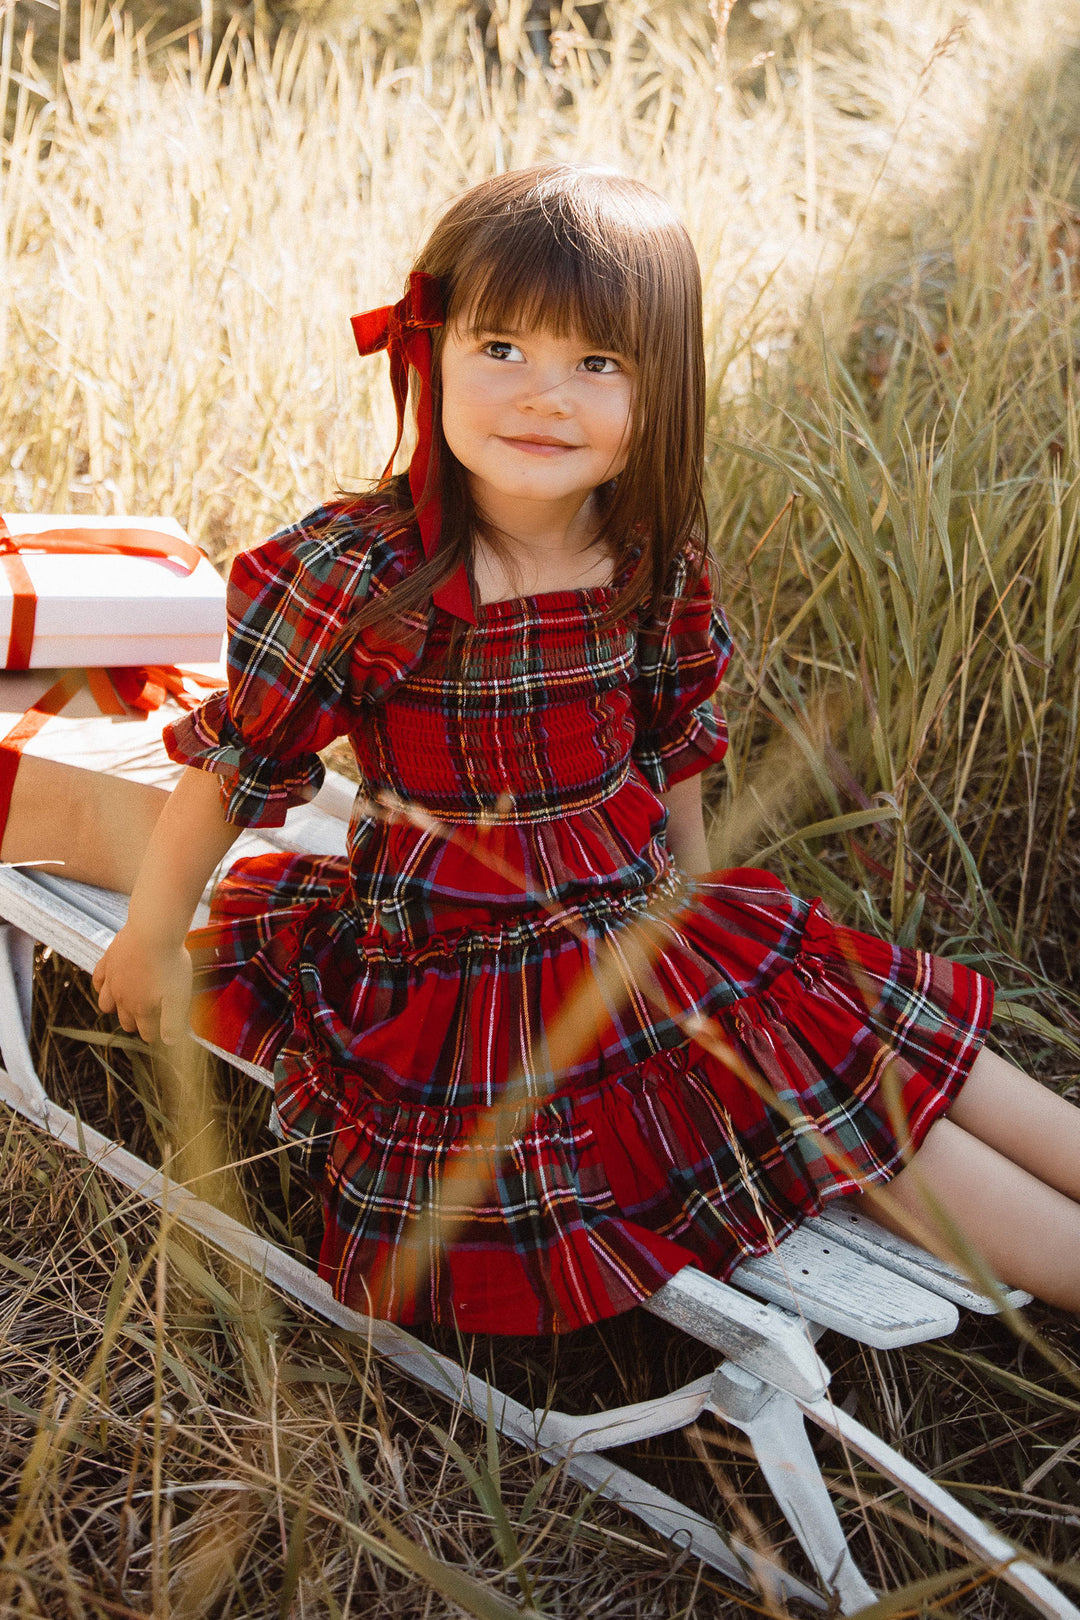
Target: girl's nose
[[548, 395]]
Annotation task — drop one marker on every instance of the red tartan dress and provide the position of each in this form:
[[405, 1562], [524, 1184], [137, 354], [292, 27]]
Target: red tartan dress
[[484, 951]]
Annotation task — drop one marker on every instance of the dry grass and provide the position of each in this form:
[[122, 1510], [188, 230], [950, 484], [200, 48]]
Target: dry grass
[[887, 213]]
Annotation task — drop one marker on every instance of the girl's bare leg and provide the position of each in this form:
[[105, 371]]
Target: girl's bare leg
[[1004, 1167], [1022, 1119], [80, 823], [1026, 1232]]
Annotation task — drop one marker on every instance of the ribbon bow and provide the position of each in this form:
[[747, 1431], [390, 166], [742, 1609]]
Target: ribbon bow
[[104, 542], [404, 331], [145, 687], [72, 542]]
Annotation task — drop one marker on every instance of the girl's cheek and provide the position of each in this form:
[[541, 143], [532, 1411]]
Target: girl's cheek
[[474, 393]]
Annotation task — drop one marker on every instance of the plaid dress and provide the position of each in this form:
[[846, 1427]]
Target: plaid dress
[[537, 1069]]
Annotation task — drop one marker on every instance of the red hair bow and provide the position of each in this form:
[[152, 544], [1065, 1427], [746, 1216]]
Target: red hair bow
[[404, 331]]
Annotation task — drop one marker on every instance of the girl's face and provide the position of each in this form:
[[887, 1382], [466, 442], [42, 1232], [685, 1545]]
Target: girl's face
[[538, 421]]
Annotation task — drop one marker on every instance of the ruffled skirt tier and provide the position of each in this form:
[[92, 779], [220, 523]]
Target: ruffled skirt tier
[[525, 1126]]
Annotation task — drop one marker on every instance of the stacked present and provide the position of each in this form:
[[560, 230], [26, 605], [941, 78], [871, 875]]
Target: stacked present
[[109, 629]]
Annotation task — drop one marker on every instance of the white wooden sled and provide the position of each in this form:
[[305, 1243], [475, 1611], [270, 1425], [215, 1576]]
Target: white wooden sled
[[841, 1271]]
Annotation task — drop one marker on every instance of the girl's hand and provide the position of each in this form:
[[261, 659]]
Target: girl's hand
[[145, 975], [147, 983]]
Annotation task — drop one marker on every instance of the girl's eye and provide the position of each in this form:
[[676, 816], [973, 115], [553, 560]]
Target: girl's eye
[[600, 363], [500, 349]]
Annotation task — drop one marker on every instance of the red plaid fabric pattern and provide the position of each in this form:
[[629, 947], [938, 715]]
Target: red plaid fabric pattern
[[478, 1019]]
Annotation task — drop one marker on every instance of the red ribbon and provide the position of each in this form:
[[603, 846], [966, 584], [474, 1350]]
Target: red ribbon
[[146, 686], [404, 330], [73, 542], [115, 691]]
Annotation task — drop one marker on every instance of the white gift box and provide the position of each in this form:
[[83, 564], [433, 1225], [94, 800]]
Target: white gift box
[[90, 694], [82, 738], [85, 786], [95, 609]]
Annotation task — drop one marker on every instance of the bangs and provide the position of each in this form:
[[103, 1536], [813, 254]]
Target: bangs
[[544, 278], [575, 250]]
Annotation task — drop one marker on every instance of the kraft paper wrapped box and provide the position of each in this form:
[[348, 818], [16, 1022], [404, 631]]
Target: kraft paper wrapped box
[[105, 591], [88, 782]]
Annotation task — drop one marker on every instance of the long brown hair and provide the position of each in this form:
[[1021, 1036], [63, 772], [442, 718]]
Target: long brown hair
[[578, 250]]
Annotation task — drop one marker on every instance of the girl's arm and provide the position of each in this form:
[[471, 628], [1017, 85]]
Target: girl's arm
[[686, 826], [145, 975]]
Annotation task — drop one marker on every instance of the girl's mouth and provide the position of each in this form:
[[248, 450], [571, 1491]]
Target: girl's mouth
[[540, 445]]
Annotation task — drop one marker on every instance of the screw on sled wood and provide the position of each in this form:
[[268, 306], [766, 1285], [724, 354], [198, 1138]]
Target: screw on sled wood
[[839, 1271]]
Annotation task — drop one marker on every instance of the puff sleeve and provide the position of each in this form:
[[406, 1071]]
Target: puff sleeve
[[682, 653], [292, 689]]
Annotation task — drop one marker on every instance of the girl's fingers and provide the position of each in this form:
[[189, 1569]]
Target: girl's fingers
[[148, 997], [141, 1021]]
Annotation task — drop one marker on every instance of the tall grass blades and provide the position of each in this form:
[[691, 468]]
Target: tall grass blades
[[929, 580]]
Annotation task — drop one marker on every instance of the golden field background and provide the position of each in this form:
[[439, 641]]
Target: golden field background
[[884, 196]]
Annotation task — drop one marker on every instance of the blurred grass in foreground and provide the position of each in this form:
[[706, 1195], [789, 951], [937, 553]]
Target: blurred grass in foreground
[[887, 214]]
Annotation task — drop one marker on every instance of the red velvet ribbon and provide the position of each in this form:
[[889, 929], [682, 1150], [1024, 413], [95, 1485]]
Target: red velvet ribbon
[[146, 686], [73, 542], [404, 331], [143, 687]]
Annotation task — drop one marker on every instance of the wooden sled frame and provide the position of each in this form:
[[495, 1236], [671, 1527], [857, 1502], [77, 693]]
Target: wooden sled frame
[[840, 1271]]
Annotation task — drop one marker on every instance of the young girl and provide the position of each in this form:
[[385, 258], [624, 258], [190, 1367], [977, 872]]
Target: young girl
[[540, 1056]]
